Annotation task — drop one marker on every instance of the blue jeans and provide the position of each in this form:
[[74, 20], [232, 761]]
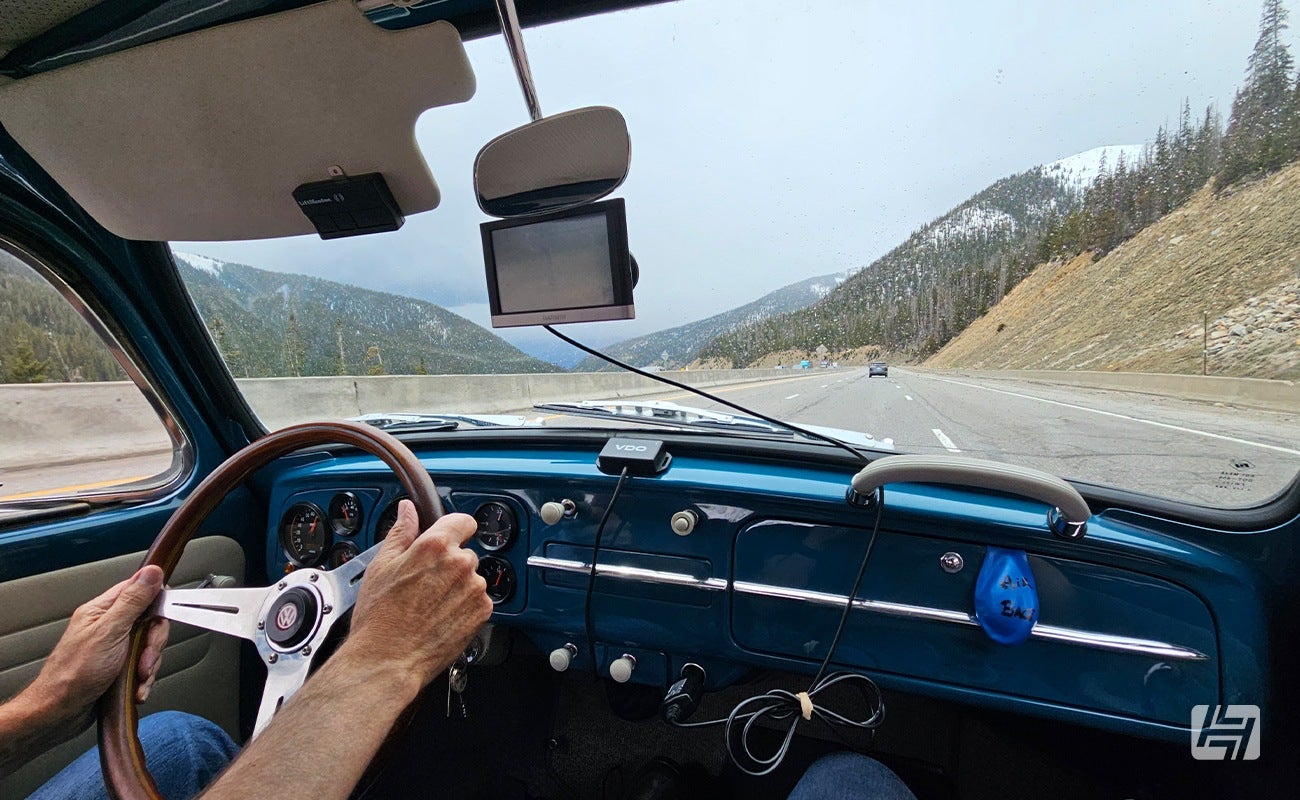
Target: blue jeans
[[849, 776], [184, 753]]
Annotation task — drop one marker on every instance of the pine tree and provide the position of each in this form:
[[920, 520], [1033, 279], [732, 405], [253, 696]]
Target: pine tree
[[1259, 137], [421, 368], [340, 364], [374, 361], [229, 353], [295, 352], [24, 367]]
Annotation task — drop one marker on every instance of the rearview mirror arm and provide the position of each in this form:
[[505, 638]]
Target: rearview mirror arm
[[515, 44]]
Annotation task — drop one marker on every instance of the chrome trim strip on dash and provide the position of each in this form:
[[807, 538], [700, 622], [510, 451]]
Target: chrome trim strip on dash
[[1092, 639], [1081, 638], [636, 574]]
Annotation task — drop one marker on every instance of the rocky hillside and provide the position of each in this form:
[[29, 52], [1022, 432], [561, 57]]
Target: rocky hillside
[[930, 287], [279, 324], [678, 346], [1232, 258]]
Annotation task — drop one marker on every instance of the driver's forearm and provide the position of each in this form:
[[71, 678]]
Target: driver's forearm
[[342, 715], [34, 721]]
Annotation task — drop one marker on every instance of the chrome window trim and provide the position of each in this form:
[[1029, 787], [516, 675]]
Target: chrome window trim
[[183, 459], [1081, 638]]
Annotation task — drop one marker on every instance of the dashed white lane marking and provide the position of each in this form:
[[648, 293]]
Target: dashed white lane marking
[[824, 385], [908, 396], [1117, 415], [793, 396], [944, 440]]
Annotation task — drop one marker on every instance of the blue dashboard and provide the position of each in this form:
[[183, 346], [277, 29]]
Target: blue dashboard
[[1137, 622]]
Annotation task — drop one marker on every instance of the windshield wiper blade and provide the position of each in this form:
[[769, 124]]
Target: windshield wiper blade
[[402, 421], [659, 412], [409, 423]]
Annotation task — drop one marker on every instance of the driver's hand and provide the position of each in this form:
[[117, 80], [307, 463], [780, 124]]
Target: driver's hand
[[93, 649], [421, 601]]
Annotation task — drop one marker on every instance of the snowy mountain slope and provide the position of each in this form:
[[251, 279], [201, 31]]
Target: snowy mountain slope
[[928, 288], [1081, 169]]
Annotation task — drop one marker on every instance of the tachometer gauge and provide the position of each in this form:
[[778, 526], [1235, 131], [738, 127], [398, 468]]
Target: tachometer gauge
[[342, 553], [500, 577], [386, 520], [345, 514], [496, 526], [304, 534]]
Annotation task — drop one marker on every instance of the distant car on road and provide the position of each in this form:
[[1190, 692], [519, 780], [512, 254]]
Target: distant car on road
[[877, 368]]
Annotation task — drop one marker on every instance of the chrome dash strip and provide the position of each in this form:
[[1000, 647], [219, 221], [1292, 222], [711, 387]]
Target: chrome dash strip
[[1123, 644], [635, 574], [1081, 638], [1092, 639]]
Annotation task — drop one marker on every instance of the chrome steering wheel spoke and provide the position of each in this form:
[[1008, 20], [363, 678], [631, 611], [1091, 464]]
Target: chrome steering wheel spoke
[[346, 579], [284, 677], [234, 612]]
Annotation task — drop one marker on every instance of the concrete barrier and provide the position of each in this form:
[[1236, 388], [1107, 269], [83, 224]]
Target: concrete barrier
[[57, 423], [1269, 395], [43, 424], [283, 401]]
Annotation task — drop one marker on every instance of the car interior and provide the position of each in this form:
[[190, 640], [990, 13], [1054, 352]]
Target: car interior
[[986, 630]]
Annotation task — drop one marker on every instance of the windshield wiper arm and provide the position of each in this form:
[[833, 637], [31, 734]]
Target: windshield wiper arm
[[409, 423]]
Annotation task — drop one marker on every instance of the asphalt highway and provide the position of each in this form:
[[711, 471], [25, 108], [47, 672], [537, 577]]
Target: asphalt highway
[[1190, 451]]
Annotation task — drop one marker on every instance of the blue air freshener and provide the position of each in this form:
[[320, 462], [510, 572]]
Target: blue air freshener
[[1006, 602]]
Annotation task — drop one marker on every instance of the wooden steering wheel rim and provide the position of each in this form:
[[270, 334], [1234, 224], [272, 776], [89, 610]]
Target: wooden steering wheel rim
[[121, 756]]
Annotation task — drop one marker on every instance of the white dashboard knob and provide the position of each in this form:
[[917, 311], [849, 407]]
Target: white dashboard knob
[[620, 669], [562, 657], [683, 522], [552, 512]]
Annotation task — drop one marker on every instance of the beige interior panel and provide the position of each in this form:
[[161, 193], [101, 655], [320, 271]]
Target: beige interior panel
[[204, 136], [200, 670]]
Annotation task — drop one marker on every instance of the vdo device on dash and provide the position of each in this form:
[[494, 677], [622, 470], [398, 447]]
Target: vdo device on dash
[[641, 457], [567, 266]]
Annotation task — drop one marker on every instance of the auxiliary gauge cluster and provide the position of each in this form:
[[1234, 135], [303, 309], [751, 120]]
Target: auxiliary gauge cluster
[[498, 528]]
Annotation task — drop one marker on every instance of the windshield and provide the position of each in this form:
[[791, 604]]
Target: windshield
[[1061, 237]]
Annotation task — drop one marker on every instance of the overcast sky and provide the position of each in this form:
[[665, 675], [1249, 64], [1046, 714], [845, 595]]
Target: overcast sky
[[775, 141]]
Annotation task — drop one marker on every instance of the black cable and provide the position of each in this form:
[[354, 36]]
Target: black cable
[[714, 398], [588, 622], [781, 704]]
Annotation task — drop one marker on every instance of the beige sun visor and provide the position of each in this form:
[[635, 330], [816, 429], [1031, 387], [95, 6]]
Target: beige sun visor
[[203, 137]]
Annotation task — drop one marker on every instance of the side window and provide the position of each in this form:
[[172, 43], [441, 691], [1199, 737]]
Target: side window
[[73, 423]]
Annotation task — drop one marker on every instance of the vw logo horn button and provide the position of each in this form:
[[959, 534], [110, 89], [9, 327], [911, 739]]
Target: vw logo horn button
[[292, 618]]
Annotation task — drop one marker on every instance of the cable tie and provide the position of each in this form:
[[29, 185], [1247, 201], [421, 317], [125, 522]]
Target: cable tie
[[806, 704]]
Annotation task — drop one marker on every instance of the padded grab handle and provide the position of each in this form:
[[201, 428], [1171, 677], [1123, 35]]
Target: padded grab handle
[[1067, 519]]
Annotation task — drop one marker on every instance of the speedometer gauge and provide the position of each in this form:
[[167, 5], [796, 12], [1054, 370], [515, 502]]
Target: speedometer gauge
[[304, 534], [496, 526]]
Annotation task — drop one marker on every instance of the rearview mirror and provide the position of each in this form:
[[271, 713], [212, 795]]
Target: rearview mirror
[[554, 163]]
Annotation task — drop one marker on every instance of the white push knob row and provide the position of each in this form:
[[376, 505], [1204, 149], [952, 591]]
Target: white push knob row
[[620, 669]]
